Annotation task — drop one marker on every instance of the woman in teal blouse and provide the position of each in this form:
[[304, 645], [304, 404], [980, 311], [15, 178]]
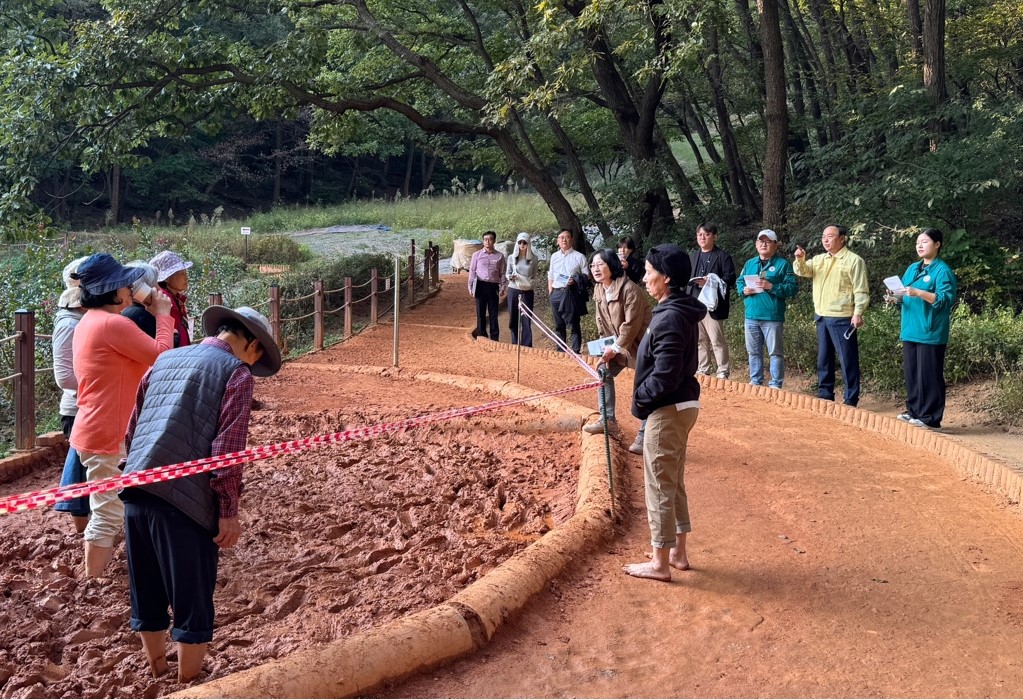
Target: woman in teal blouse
[[931, 290]]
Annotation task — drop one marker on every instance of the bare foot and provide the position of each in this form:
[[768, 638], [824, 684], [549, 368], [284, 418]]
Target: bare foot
[[158, 666], [680, 563], [647, 570]]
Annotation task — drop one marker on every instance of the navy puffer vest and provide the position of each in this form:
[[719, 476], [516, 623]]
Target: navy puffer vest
[[178, 423]]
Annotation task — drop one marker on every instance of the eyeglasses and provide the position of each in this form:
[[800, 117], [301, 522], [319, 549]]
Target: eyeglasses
[[523, 243]]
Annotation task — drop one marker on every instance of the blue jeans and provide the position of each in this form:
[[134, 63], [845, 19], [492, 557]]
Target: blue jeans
[[831, 338], [608, 395], [772, 334], [72, 474]]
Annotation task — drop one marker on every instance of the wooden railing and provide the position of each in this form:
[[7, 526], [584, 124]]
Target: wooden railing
[[25, 336]]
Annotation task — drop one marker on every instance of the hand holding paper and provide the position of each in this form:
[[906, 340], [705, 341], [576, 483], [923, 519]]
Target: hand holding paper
[[753, 282], [894, 285]]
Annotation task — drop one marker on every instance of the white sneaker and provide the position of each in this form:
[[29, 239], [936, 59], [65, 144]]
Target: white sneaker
[[722, 375], [904, 417]]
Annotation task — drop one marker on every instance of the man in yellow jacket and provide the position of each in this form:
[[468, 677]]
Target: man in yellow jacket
[[840, 296]]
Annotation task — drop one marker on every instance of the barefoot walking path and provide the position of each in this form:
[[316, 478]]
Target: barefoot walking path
[[827, 560]]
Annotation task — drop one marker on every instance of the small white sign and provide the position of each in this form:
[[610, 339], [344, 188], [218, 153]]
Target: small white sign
[[246, 230]]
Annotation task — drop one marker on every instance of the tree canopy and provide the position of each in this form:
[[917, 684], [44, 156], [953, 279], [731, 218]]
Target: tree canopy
[[639, 113]]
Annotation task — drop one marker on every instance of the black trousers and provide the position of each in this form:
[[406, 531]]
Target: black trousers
[[561, 323], [486, 305], [172, 563], [923, 366]]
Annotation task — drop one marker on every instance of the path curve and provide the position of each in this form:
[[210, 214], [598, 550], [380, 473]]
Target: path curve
[[829, 559]]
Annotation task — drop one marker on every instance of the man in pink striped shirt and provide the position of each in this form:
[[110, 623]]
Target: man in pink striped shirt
[[486, 282]]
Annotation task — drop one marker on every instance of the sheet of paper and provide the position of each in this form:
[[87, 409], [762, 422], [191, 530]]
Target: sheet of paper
[[595, 348], [895, 285], [752, 281]]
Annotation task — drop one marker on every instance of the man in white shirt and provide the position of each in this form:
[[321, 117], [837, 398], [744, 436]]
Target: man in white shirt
[[568, 268]]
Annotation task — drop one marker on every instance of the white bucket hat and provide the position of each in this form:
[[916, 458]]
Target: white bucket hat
[[71, 297], [167, 263]]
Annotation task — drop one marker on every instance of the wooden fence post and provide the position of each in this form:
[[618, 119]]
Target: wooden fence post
[[318, 319], [374, 283], [348, 307], [275, 313], [436, 265], [411, 273], [25, 382], [216, 299], [428, 280]]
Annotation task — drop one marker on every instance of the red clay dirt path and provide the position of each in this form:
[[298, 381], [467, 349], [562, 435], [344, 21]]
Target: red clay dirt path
[[828, 561]]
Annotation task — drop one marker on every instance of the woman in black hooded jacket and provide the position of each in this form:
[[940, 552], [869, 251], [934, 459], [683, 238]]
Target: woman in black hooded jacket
[[667, 396]]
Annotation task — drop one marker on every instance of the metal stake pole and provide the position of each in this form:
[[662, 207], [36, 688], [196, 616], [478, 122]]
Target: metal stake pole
[[397, 303]]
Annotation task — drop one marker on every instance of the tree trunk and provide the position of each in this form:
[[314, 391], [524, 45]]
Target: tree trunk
[[278, 162], [756, 50], [683, 126], [686, 194], [934, 50], [406, 186], [733, 161], [776, 114], [916, 30], [579, 170], [115, 195], [542, 182]]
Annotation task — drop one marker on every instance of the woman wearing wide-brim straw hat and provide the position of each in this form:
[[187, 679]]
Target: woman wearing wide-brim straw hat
[[110, 356]]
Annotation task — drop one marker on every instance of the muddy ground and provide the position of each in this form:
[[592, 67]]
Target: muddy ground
[[337, 540], [827, 561]]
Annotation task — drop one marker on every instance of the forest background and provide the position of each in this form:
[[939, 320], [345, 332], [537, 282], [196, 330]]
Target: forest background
[[642, 117]]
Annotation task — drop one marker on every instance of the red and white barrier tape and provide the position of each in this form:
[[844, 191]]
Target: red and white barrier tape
[[37, 499], [557, 340]]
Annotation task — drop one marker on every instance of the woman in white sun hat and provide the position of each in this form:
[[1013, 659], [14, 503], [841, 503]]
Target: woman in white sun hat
[[172, 275], [520, 273]]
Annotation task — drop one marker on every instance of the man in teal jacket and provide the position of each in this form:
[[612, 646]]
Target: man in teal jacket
[[765, 283]]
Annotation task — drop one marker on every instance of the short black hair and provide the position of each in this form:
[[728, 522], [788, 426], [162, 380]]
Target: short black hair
[[229, 325], [97, 301], [709, 227], [490, 233], [934, 234], [627, 243], [611, 258], [842, 230]]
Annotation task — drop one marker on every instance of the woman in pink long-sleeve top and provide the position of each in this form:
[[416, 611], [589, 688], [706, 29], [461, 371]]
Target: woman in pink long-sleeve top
[[110, 356]]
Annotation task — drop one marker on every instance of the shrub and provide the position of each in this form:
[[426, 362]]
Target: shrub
[[279, 250]]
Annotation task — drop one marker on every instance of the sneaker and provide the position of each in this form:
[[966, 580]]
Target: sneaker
[[636, 447], [597, 426], [722, 375], [917, 423], [904, 417], [702, 373]]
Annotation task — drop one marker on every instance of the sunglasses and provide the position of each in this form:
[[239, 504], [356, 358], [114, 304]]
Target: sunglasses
[[523, 243]]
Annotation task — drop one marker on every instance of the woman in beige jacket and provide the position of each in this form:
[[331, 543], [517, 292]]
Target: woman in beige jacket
[[623, 314]]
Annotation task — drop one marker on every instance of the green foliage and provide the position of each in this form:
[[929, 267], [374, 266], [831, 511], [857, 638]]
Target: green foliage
[[279, 250], [1009, 395]]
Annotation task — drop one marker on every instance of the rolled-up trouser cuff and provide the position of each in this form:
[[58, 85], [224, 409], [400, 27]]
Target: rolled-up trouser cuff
[[191, 636], [107, 517]]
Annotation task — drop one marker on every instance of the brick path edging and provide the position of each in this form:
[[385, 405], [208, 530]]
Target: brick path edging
[[1004, 478], [22, 462]]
